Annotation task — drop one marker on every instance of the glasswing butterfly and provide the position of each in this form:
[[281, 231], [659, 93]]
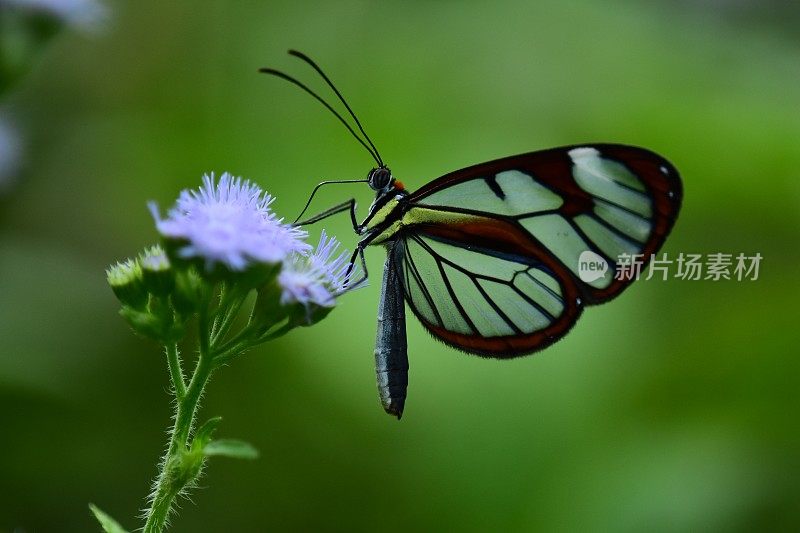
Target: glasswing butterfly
[[488, 257]]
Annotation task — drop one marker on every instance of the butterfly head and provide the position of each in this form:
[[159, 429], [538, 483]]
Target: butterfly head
[[380, 179]]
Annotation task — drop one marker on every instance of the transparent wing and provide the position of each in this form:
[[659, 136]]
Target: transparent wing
[[483, 302], [611, 200]]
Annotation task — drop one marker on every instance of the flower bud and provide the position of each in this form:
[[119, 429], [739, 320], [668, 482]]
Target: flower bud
[[188, 293], [145, 323], [268, 309], [308, 315], [126, 280], [257, 275], [157, 273]]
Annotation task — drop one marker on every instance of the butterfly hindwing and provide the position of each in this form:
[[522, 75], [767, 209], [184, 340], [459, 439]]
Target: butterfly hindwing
[[482, 300]]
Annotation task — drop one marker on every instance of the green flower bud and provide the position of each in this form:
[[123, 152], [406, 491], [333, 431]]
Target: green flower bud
[[157, 272], [145, 323], [126, 280], [189, 290], [156, 323], [268, 310], [257, 275], [309, 314]]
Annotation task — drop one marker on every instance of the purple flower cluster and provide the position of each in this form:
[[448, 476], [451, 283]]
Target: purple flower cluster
[[229, 222], [317, 278]]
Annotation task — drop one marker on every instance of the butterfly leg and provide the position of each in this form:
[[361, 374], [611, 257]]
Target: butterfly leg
[[318, 187], [357, 253], [344, 206]]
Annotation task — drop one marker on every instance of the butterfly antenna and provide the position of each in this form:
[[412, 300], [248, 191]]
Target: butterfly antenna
[[298, 83], [316, 67]]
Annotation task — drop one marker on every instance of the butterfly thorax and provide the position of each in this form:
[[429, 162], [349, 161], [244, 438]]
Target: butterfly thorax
[[385, 214]]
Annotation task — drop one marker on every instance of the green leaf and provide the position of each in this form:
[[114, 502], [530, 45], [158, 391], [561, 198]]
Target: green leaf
[[203, 435], [109, 524], [230, 448]]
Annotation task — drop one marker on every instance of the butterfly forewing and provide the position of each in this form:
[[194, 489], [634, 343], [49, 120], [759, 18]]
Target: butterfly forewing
[[613, 200], [489, 255]]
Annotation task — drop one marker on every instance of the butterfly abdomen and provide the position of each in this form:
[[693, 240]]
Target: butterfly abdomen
[[391, 355]]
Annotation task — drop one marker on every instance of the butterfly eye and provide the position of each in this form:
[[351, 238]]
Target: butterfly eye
[[379, 178]]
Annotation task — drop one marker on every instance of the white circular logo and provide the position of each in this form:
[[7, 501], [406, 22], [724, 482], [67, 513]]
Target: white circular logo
[[591, 266]]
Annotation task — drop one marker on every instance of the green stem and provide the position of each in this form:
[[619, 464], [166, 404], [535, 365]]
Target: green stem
[[222, 326], [222, 290], [237, 346], [237, 343], [175, 370], [173, 476]]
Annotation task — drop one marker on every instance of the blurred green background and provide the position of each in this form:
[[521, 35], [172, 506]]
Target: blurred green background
[[673, 408]]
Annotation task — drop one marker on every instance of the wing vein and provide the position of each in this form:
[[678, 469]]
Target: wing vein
[[616, 231], [626, 209], [496, 307], [422, 286], [589, 242], [473, 277], [536, 305], [553, 293], [448, 285]]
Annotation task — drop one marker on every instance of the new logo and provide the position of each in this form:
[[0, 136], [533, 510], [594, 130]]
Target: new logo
[[591, 266]]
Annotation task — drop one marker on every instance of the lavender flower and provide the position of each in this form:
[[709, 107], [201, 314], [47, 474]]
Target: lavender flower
[[86, 15], [318, 278], [230, 223], [10, 154], [226, 225]]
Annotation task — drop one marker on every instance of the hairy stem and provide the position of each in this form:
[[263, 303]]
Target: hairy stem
[[223, 324], [175, 370], [175, 474]]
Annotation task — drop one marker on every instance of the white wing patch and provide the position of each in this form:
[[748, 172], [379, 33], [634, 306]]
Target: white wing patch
[[472, 293], [609, 181]]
